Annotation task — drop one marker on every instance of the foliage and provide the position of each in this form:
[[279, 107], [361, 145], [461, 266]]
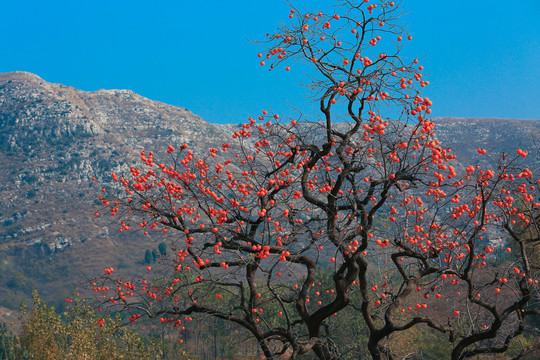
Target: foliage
[[83, 335], [8, 343], [162, 247], [148, 257], [365, 196]]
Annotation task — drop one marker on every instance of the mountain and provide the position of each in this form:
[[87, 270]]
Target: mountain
[[466, 135], [54, 139]]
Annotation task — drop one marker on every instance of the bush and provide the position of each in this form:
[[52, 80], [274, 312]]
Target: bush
[[84, 335]]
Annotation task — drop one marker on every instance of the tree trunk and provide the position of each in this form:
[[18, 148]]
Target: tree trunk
[[266, 350]]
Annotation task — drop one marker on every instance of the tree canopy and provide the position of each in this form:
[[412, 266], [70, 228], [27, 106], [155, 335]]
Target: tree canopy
[[364, 195]]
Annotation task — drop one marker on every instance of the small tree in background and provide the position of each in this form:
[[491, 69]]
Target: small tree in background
[[148, 258], [365, 193], [8, 343], [162, 247]]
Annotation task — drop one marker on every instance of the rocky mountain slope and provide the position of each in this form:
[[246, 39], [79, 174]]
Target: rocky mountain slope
[[54, 139], [466, 135]]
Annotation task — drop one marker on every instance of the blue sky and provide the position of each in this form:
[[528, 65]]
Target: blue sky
[[481, 56]]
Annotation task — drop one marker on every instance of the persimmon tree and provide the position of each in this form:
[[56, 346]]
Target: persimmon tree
[[364, 192]]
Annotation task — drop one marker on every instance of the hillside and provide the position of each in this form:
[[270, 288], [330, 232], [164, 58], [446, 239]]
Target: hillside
[[54, 139], [466, 135]]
